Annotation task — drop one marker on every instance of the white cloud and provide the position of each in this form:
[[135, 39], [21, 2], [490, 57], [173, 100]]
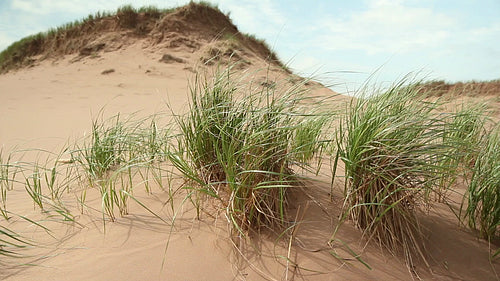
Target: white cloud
[[307, 64], [271, 12], [387, 27], [44, 7], [257, 15], [5, 41], [488, 33], [78, 7]]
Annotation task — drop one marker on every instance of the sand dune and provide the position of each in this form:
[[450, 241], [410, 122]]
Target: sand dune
[[53, 103]]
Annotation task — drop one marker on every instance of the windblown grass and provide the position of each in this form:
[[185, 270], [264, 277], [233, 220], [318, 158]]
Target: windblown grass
[[463, 131], [242, 149], [391, 145], [115, 143], [116, 153], [441, 88], [245, 147], [117, 156], [9, 240], [482, 207], [8, 172], [10, 243]]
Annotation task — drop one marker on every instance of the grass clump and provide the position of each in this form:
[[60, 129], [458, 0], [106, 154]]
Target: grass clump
[[391, 147], [115, 143], [242, 149], [464, 130], [117, 153], [106, 149], [462, 133], [127, 16], [482, 209]]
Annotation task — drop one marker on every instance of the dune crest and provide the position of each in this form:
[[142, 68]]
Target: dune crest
[[188, 28]]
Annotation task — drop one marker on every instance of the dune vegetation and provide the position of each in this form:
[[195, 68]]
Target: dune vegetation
[[400, 154], [243, 151]]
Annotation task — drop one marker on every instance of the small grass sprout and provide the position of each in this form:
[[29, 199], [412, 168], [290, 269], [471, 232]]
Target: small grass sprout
[[34, 187], [8, 173]]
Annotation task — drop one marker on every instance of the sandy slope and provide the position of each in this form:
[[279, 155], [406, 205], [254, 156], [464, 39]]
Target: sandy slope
[[57, 100], [53, 103]]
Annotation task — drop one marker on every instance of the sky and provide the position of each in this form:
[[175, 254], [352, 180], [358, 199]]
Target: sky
[[341, 43]]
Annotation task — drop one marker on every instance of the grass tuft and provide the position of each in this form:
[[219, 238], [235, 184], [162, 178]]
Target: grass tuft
[[482, 209], [242, 147], [391, 147], [463, 131]]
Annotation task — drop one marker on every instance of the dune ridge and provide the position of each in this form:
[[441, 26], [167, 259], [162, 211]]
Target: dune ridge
[[186, 28]]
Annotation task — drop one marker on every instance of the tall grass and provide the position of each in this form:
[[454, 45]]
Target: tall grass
[[482, 207], [33, 187], [245, 147], [117, 156], [463, 131], [242, 149], [391, 145]]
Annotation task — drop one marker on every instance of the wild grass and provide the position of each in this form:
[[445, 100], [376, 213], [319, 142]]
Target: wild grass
[[115, 154], [463, 131], [34, 187], [470, 88], [10, 243], [106, 150], [114, 143], [271, 55], [118, 155], [391, 145], [242, 149], [8, 172], [481, 209]]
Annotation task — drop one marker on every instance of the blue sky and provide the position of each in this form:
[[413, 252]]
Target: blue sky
[[339, 42]]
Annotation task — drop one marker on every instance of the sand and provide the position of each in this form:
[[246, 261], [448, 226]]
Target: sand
[[52, 104]]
